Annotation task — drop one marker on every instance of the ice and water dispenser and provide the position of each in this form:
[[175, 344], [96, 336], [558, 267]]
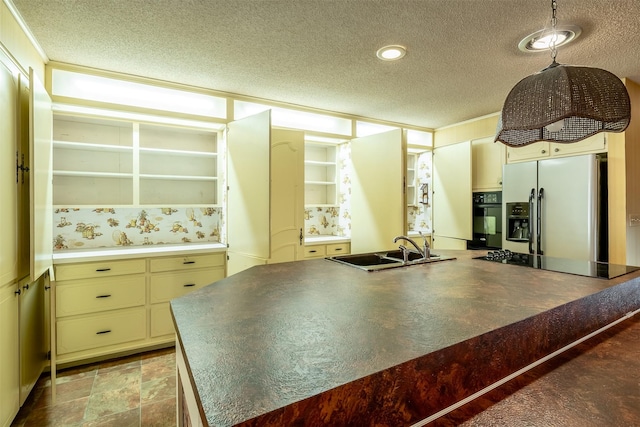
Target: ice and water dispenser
[[518, 221]]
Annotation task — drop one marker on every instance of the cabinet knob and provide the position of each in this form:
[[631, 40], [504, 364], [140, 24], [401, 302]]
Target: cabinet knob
[[18, 292], [26, 287], [556, 150], [543, 151]]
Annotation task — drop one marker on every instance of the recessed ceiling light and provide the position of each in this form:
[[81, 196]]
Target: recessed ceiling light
[[391, 52], [542, 40]]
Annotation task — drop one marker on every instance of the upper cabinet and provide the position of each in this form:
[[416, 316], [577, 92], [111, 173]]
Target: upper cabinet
[[178, 165], [544, 149], [488, 157], [320, 174], [98, 162], [412, 182]]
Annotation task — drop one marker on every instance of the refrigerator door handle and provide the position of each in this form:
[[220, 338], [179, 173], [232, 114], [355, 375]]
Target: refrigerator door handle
[[539, 225], [532, 197]]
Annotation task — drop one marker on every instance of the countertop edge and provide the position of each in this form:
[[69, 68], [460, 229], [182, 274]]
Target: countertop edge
[[103, 254]]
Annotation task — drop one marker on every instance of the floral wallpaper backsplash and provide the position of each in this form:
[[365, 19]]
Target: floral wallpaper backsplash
[[344, 188], [322, 221], [84, 228]]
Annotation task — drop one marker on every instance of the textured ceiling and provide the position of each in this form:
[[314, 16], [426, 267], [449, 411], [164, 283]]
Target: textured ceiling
[[462, 55]]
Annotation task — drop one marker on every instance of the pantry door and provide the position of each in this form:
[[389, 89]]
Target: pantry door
[[248, 171], [287, 195], [41, 177], [378, 191]]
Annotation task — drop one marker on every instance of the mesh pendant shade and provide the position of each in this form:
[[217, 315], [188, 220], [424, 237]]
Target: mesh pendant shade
[[564, 104]]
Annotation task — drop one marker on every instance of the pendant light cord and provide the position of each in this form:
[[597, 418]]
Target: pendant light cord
[[554, 38]]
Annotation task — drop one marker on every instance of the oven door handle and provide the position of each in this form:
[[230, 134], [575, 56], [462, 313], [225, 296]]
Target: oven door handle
[[539, 225], [532, 197]]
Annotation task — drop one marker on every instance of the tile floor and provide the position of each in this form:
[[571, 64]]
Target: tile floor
[[138, 390]]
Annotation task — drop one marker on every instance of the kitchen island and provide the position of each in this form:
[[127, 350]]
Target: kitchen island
[[319, 343]]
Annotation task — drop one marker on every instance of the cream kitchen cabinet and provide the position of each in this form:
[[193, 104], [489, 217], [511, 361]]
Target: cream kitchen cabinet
[[378, 191], [412, 182], [544, 149], [172, 277], [98, 162], [265, 200], [122, 304], [452, 196], [100, 308], [325, 250], [487, 159], [9, 354], [320, 174]]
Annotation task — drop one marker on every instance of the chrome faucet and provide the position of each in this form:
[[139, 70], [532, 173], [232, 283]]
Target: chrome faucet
[[425, 251]]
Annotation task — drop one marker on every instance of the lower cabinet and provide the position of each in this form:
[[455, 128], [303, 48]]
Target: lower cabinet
[[166, 286], [107, 307], [9, 355], [324, 250]]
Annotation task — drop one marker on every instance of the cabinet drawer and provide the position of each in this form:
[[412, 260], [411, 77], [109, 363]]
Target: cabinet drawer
[[94, 295], [76, 334], [338, 248], [165, 287], [315, 251], [187, 262], [161, 320], [88, 270]]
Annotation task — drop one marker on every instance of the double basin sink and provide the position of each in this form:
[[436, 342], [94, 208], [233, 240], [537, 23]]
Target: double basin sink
[[376, 261]]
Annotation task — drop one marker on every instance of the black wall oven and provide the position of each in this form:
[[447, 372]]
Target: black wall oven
[[487, 221]]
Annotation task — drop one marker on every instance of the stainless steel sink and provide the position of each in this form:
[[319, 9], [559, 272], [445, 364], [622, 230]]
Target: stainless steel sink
[[384, 260]]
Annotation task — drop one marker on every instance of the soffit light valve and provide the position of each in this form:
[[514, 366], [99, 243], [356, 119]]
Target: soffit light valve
[[563, 103], [391, 52]]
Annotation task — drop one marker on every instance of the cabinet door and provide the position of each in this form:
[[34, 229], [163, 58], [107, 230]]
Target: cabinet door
[[248, 148], [378, 202], [452, 208], [487, 161], [24, 182], [8, 186], [593, 144], [287, 195], [9, 362], [537, 150], [33, 345], [41, 170]]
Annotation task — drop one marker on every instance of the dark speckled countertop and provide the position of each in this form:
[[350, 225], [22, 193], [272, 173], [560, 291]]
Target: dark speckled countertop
[[319, 343]]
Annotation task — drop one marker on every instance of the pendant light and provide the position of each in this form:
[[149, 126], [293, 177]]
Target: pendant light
[[563, 104]]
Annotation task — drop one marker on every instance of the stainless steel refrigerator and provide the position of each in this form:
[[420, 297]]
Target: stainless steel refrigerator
[[557, 207]]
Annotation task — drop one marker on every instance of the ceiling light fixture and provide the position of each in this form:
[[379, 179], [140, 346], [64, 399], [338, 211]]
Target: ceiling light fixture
[[563, 103], [542, 40], [391, 53]]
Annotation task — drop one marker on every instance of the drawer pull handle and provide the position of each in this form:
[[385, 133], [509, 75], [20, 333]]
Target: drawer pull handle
[[312, 252], [103, 332], [338, 249], [188, 285], [103, 269], [104, 296], [189, 262]]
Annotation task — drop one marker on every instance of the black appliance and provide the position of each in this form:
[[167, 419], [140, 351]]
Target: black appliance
[[487, 221], [600, 270]]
